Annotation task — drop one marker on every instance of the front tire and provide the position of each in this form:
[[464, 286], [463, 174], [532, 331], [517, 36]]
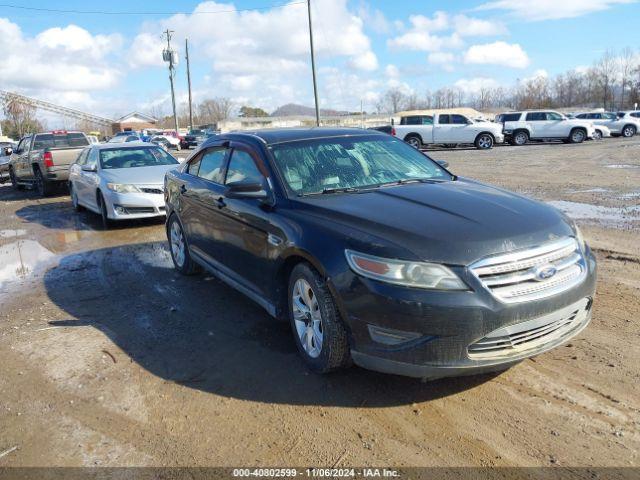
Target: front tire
[[320, 336], [14, 180], [577, 135], [597, 135], [484, 141], [106, 221], [628, 131], [414, 140], [74, 198], [182, 260]]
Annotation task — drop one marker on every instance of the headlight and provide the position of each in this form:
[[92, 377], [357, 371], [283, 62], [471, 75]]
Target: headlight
[[122, 188], [579, 237], [411, 274]]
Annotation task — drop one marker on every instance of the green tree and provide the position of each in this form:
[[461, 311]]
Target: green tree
[[252, 112]]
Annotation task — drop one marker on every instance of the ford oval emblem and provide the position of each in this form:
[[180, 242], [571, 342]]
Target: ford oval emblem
[[544, 272]]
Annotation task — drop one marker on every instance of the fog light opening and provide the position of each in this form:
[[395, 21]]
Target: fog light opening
[[389, 336], [120, 209]]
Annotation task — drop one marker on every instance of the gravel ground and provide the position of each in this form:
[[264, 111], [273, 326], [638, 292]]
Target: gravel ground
[[110, 358]]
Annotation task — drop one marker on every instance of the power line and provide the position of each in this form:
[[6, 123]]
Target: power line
[[102, 12]]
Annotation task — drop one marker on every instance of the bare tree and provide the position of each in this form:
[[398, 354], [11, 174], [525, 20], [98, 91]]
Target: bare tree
[[626, 66], [21, 116], [606, 71], [214, 110]]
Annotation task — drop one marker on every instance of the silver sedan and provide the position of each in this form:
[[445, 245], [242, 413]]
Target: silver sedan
[[120, 181]]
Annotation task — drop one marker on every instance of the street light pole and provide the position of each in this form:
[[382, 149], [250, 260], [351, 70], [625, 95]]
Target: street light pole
[[313, 65], [169, 56], [186, 49]]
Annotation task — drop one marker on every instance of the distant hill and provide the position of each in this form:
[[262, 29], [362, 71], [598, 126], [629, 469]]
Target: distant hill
[[293, 109]]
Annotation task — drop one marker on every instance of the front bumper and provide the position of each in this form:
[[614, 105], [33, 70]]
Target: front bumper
[[499, 138], [127, 206], [444, 325]]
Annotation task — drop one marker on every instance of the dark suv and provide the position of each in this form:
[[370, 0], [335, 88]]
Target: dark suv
[[377, 254]]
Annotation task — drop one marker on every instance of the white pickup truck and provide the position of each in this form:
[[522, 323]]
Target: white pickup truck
[[447, 129], [542, 125]]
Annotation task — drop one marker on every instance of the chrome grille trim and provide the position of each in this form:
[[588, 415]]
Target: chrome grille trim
[[518, 339], [513, 278]]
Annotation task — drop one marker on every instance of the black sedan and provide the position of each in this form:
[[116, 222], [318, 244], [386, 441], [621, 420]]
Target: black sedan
[[377, 254]]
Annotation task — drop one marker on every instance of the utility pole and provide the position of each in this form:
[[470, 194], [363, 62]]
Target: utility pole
[[170, 56], [186, 49], [313, 65]]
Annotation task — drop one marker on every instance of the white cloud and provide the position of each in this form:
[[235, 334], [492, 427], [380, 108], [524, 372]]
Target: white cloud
[[444, 59], [475, 27], [550, 9], [474, 85], [497, 53], [68, 59], [373, 18]]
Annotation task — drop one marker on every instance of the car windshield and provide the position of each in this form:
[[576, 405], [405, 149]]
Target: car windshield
[[135, 157], [196, 132], [342, 164]]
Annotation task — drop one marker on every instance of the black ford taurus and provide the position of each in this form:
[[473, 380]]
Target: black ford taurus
[[377, 254]]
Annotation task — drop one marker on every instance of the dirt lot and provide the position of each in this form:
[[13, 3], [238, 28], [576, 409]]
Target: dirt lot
[[110, 358]]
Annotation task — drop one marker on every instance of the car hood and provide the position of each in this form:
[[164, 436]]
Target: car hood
[[137, 175], [454, 222]]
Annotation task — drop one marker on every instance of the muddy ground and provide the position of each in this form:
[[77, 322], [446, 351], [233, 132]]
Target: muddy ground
[[108, 357]]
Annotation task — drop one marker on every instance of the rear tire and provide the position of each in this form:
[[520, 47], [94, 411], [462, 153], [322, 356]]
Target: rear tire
[[628, 131], [484, 141], [414, 140], [182, 260], [520, 138], [577, 135], [42, 185], [319, 333]]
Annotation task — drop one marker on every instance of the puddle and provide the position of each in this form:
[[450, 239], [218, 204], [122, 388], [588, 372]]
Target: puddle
[[622, 165], [156, 255], [20, 259], [596, 213], [12, 233]]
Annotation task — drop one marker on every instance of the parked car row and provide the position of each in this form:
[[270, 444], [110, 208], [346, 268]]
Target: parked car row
[[516, 128], [373, 252]]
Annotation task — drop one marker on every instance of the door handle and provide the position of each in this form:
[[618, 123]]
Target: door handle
[[183, 188], [221, 203]]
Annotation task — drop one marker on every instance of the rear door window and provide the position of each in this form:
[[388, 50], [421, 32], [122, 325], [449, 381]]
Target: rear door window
[[510, 117], [212, 165], [536, 116], [459, 119], [444, 120]]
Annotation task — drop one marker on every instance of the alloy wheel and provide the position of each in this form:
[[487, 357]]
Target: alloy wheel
[[307, 318], [414, 142], [597, 135], [485, 142], [628, 132], [520, 138], [177, 243], [577, 136]]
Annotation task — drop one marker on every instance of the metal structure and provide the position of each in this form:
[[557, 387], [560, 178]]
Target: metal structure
[[186, 49], [171, 57], [313, 65], [52, 107]]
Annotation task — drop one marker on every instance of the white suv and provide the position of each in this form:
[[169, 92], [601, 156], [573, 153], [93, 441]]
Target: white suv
[[622, 123], [520, 127]]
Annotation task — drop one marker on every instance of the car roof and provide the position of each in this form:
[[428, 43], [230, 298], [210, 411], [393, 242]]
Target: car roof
[[106, 146], [272, 136]]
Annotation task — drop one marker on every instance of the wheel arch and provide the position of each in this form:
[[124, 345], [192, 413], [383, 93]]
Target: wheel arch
[[413, 134]]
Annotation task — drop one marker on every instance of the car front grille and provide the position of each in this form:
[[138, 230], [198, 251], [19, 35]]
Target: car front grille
[[533, 334], [157, 191], [533, 273]]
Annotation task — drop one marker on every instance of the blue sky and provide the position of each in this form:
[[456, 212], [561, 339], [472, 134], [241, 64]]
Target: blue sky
[[110, 64]]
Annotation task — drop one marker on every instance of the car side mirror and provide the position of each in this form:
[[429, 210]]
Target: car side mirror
[[89, 168], [8, 151], [443, 163], [247, 189]]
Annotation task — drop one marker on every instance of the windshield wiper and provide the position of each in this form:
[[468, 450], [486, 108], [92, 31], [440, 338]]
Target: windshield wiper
[[404, 181], [326, 191]]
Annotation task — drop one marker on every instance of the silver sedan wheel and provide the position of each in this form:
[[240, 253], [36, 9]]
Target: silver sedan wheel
[[628, 132], [307, 317], [177, 243]]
